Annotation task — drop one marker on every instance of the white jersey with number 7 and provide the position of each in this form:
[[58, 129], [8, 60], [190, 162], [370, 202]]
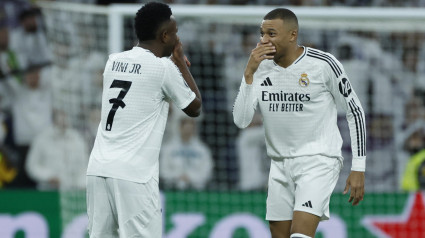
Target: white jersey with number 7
[[137, 87]]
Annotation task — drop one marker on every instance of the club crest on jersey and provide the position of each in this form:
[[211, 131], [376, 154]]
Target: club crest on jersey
[[304, 81]]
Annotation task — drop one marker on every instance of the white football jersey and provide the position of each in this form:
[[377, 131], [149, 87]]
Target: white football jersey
[[299, 107], [137, 86]]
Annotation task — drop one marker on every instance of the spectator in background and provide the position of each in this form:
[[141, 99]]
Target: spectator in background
[[253, 162], [414, 110], [8, 170], [91, 84], [11, 66], [410, 142], [32, 108], [382, 148], [185, 161], [31, 113], [29, 39], [355, 66], [414, 174], [360, 56], [235, 62], [10, 69], [58, 157], [10, 10], [3, 127], [420, 67]]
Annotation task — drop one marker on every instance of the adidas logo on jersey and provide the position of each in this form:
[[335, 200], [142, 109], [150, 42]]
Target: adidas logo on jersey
[[267, 82], [307, 204]]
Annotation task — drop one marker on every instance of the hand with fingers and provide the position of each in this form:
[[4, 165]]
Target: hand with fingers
[[261, 52], [355, 182], [178, 55]]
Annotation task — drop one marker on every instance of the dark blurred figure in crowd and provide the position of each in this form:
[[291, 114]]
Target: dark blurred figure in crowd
[[29, 39], [8, 170], [10, 10], [11, 64], [107, 2], [11, 72], [412, 141], [31, 113], [414, 110]]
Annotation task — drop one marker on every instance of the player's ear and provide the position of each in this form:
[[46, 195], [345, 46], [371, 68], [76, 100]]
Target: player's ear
[[294, 35], [163, 36]]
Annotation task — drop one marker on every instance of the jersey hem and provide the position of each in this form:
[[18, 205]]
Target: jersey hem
[[144, 180]]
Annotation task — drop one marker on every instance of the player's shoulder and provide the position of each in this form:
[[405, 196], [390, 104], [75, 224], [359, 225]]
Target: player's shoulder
[[324, 59], [320, 56], [136, 54], [166, 62], [170, 66], [112, 58]]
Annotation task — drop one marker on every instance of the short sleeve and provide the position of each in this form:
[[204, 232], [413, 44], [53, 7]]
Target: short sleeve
[[175, 87]]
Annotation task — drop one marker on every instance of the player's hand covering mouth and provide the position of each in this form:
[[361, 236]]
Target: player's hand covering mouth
[[270, 54]]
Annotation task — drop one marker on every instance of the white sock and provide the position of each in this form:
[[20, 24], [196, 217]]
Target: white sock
[[298, 235]]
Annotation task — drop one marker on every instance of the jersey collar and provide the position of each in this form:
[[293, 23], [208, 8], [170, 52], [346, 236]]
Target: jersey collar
[[297, 60]]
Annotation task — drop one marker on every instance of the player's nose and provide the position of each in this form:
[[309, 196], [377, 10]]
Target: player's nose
[[264, 39]]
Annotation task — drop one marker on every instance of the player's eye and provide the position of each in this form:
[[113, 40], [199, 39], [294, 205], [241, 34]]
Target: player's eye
[[261, 34], [272, 34]]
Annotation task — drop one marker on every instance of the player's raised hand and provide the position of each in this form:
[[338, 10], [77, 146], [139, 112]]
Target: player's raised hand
[[261, 52], [178, 55], [355, 182]]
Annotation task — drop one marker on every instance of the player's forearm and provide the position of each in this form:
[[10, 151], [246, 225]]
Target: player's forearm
[[357, 125], [243, 109], [187, 76], [249, 78]]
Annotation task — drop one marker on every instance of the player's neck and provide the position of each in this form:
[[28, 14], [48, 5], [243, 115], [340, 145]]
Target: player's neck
[[291, 55], [152, 47]]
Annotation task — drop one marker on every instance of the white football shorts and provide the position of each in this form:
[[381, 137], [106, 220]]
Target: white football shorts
[[301, 184], [120, 208]]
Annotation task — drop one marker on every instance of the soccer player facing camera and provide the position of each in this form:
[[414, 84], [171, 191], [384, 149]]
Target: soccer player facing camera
[[122, 178], [297, 90]]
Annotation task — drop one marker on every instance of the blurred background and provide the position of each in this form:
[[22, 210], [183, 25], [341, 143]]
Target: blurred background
[[213, 176]]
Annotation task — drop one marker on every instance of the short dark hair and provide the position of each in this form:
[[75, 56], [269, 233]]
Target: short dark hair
[[282, 13], [30, 12], [149, 18]]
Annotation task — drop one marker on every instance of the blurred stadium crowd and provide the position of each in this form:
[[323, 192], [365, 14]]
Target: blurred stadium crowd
[[348, 3], [42, 146]]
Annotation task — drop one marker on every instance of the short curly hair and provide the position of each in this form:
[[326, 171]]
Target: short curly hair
[[149, 18]]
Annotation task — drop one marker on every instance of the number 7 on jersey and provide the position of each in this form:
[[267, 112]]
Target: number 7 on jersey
[[118, 101]]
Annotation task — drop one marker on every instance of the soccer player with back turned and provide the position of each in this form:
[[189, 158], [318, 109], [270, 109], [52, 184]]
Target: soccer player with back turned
[[297, 89], [122, 177]]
